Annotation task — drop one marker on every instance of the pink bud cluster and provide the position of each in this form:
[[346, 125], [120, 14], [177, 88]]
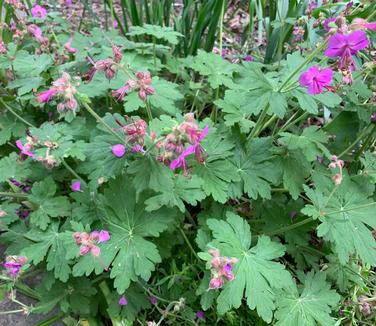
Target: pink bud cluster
[[64, 90], [3, 47], [221, 269], [181, 142], [336, 163], [109, 65], [48, 160], [135, 133], [13, 265], [88, 241], [141, 84], [36, 32]]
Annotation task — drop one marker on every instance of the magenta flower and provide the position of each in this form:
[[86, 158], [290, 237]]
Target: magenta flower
[[316, 79], [195, 148], [25, 149], [38, 11], [153, 300], [345, 46], [118, 150], [121, 92], [200, 314], [103, 236], [180, 160], [123, 301], [138, 149], [46, 96], [327, 22], [248, 58], [76, 186], [13, 264]]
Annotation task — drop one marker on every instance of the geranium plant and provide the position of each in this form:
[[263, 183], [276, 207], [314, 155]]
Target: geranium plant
[[149, 189]]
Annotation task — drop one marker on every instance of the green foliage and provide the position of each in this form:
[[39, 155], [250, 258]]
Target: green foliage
[[11, 167], [256, 169], [345, 210], [206, 64], [256, 274], [260, 186], [164, 33], [131, 254], [48, 206], [54, 246], [308, 306]]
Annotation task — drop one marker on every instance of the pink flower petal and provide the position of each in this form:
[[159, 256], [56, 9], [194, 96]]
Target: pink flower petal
[[76, 186], [104, 236], [118, 150]]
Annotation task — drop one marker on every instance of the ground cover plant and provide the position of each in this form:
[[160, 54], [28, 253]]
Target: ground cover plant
[[175, 167]]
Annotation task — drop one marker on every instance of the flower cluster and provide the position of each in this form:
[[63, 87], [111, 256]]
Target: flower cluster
[[88, 241], [337, 163], [141, 84], [109, 65], [36, 32], [183, 141], [13, 265], [64, 90], [135, 133], [48, 160], [221, 269]]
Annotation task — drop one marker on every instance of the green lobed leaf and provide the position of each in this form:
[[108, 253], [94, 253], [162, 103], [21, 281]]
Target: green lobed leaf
[[346, 211], [42, 195], [256, 274], [310, 306]]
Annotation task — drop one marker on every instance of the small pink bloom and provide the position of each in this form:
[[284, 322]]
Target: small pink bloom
[[68, 47], [26, 150], [46, 96], [103, 236], [123, 301], [121, 92], [76, 186], [118, 150], [316, 79], [248, 58], [360, 23], [138, 149], [3, 47], [116, 52], [328, 22], [38, 11], [153, 300], [94, 235], [84, 250], [95, 251], [68, 3], [200, 314], [216, 283]]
